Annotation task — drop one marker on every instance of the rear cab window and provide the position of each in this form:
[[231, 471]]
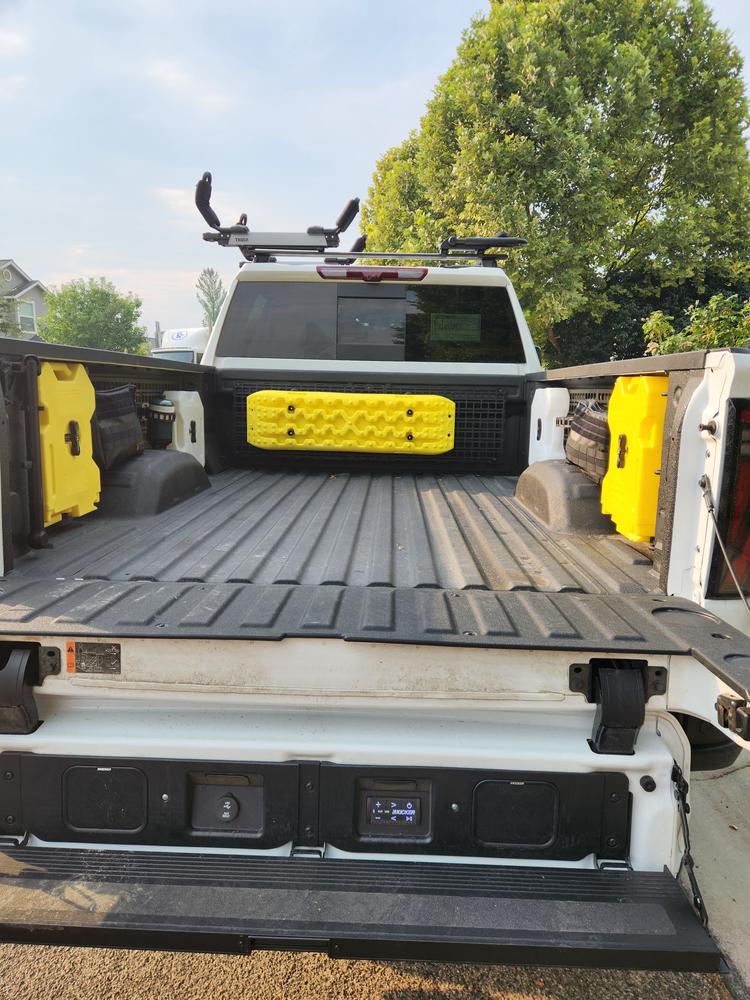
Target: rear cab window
[[188, 357], [362, 321]]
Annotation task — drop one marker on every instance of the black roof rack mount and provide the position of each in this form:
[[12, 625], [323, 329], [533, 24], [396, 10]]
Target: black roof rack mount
[[316, 241]]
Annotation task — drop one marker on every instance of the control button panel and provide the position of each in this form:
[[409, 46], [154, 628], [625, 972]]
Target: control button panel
[[390, 812], [225, 803], [396, 809]]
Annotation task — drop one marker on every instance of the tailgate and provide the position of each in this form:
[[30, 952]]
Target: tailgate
[[350, 908]]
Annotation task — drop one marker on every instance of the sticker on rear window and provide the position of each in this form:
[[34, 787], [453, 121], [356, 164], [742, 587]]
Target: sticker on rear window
[[93, 657], [456, 328]]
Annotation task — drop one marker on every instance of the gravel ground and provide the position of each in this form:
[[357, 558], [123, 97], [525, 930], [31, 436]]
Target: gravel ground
[[41, 973]]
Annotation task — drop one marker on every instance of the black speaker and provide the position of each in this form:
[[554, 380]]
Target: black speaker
[[516, 813], [111, 799]]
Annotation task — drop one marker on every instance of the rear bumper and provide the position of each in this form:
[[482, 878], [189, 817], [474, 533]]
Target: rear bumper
[[350, 908]]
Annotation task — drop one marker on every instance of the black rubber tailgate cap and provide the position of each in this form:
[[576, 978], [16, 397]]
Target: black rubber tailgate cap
[[351, 908]]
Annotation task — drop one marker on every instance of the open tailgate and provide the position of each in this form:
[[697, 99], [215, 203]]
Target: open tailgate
[[350, 908]]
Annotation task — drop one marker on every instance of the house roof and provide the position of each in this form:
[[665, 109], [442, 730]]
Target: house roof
[[9, 260], [26, 284]]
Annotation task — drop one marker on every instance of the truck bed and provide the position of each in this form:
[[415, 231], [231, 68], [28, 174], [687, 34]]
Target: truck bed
[[381, 557], [344, 529]]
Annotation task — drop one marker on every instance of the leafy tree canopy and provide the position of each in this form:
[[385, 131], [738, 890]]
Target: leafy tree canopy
[[8, 322], [610, 135], [92, 313], [210, 293], [724, 321], [620, 333]]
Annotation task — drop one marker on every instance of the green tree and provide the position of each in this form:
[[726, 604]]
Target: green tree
[[609, 135], [92, 313], [210, 294], [620, 332], [724, 321], [8, 321]]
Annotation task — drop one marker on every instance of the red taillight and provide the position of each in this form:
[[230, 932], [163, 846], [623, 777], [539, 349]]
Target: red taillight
[[339, 273], [734, 515]]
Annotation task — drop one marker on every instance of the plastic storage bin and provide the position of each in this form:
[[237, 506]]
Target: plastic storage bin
[[630, 489], [70, 476]]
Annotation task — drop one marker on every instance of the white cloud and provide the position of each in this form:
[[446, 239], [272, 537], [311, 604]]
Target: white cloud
[[168, 294], [13, 43], [170, 76], [264, 213], [179, 201], [11, 86]]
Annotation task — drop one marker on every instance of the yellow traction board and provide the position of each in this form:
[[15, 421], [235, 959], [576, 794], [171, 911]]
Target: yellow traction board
[[384, 423]]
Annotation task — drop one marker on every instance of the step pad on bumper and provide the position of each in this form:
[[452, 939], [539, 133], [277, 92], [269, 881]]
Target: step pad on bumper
[[350, 909]]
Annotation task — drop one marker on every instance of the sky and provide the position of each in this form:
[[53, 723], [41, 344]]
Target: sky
[[111, 111]]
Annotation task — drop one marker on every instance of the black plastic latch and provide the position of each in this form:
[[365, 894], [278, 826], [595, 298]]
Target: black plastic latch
[[620, 689], [18, 675], [733, 714]]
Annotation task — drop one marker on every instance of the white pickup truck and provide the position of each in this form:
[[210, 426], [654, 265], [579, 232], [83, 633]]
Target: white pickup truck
[[383, 680]]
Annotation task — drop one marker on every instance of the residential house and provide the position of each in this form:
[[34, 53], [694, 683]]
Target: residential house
[[26, 295]]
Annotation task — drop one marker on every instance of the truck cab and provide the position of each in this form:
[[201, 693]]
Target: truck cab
[[360, 320]]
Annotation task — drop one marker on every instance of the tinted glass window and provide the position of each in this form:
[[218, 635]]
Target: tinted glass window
[[280, 319], [371, 329], [187, 356], [354, 321], [461, 323]]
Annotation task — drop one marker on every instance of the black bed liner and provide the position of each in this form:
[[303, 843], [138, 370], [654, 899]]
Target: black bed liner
[[621, 625], [351, 908], [380, 558], [344, 529]]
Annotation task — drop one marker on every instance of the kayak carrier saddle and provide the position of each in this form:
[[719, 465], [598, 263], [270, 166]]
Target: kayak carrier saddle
[[265, 247]]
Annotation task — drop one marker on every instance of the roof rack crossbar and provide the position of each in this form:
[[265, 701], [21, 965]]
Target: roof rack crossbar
[[487, 260]]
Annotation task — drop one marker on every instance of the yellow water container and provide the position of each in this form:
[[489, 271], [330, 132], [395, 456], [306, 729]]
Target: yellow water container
[[630, 488], [386, 423], [70, 476]]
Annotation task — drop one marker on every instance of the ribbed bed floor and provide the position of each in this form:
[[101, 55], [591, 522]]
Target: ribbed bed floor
[[350, 529]]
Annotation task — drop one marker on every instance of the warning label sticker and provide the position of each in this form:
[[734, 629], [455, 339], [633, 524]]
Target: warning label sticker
[[92, 657]]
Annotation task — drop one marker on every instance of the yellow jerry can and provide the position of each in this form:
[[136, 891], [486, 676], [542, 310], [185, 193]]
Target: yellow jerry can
[[280, 419], [70, 476], [630, 488]]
